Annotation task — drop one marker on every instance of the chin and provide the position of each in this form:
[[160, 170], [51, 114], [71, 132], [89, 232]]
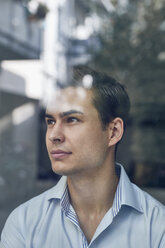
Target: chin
[[61, 170], [66, 169]]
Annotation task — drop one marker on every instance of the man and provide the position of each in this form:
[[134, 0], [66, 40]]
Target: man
[[94, 204]]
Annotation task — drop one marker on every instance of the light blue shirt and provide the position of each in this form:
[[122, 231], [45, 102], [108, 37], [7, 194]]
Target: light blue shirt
[[135, 220]]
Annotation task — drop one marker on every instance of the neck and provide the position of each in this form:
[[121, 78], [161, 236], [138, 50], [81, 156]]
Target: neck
[[93, 193]]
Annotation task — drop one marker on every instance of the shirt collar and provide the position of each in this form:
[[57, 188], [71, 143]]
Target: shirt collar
[[58, 190], [126, 193]]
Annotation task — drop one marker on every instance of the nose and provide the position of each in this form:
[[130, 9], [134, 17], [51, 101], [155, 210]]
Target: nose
[[56, 134]]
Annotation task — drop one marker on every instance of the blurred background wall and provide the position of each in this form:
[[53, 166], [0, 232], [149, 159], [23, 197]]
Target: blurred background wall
[[41, 43]]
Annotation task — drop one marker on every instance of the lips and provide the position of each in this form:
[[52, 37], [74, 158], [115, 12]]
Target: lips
[[59, 154]]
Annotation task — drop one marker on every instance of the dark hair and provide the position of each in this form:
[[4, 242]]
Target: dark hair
[[109, 96]]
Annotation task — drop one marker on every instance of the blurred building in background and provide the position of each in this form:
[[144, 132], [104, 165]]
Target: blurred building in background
[[20, 37], [20, 89], [41, 41]]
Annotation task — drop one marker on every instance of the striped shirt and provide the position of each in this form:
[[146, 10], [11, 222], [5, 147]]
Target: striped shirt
[[49, 221]]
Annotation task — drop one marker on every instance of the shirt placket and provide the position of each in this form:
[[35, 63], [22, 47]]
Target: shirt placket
[[73, 218], [71, 215]]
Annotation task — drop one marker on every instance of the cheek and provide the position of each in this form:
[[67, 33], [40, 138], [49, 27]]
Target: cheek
[[93, 141], [47, 142]]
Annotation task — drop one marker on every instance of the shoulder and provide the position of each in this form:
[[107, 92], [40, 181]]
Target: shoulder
[[154, 217], [24, 220], [136, 197], [34, 207], [29, 212], [148, 203]]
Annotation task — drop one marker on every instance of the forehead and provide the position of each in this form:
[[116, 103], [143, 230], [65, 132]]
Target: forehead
[[70, 98]]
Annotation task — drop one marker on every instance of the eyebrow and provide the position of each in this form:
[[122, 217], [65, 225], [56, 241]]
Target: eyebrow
[[63, 114]]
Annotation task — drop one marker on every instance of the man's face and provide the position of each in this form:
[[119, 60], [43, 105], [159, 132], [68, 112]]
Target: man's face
[[75, 139]]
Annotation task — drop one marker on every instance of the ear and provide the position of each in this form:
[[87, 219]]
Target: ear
[[116, 130]]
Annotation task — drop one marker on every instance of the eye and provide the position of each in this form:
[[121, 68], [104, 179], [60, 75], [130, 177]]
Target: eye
[[50, 122], [72, 119]]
